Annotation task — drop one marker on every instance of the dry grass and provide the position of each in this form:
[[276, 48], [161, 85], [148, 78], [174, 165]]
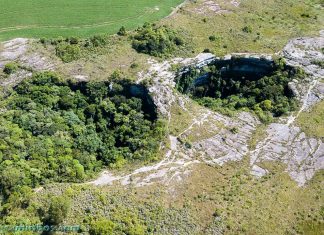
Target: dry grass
[[258, 135], [272, 24], [210, 198], [312, 122]]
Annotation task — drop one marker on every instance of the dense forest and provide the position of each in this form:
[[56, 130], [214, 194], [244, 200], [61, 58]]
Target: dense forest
[[65, 131], [266, 94]]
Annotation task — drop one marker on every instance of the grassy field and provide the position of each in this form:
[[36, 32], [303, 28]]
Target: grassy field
[[41, 18], [253, 26]]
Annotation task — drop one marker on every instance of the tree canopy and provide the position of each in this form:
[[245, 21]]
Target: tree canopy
[[64, 131], [157, 41], [267, 95]]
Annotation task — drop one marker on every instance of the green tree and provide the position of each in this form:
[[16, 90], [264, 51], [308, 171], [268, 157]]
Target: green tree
[[102, 227], [266, 105], [58, 210], [11, 177]]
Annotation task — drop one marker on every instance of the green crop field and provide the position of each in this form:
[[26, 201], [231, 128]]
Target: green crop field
[[45, 18]]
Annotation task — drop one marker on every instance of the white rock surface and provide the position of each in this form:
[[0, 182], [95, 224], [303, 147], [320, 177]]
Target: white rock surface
[[258, 171]]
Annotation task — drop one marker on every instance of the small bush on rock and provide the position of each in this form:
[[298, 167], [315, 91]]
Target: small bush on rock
[[10, 68]]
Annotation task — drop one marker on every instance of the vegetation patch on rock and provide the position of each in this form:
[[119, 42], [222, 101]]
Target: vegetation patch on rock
[[10, 68]]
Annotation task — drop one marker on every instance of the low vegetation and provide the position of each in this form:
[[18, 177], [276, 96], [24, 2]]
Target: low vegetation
[[72, 48], [319, 63], [212, 199], [253, 26], [159, 41], [312, 122]]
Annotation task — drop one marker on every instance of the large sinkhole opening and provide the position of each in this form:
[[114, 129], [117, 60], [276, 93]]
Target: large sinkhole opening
[[258, 84], [59, 130]]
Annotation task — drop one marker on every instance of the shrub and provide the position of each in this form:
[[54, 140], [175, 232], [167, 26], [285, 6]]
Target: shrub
[[188, 145], [156, 41], [43, 40], [10, 68], [122, 31], [60, 39], [247, 29], [68, 52], [179, 41], [134, 65], [102, 227], [212, 38], [234, 130], [57, 40], [98, 41], [305, 15], [73, 40], [217, 213]]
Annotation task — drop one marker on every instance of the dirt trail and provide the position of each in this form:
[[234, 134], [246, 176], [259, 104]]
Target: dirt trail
[[286, 142], [292, 118]]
